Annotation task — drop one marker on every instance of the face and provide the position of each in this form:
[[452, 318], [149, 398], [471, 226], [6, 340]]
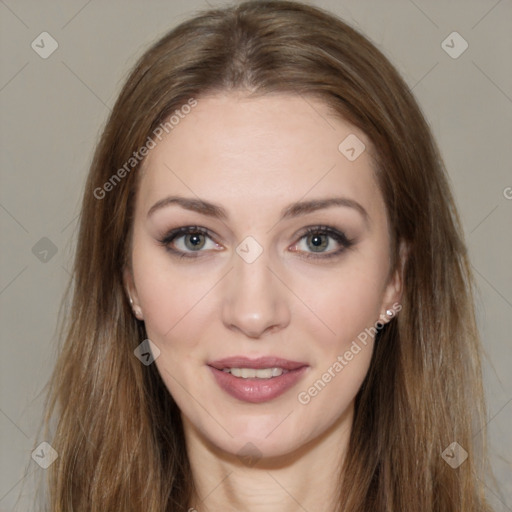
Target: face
[[260, 266]]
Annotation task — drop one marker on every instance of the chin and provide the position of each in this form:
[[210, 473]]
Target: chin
[[272, 436]]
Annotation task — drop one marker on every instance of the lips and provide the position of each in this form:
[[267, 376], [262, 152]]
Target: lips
[[256, 390]]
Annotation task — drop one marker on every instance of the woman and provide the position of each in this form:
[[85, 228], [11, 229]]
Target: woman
[[272, 305]]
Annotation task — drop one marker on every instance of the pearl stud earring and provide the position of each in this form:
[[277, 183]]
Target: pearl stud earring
[[137, 311]]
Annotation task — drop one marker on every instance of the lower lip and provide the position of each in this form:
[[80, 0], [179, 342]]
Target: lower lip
[[257, 390]]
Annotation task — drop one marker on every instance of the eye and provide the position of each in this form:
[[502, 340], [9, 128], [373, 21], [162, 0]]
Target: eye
[[188, 241], [316, 241]]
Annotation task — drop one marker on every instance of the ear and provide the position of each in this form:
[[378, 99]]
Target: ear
[[131, 292], [394, 289]]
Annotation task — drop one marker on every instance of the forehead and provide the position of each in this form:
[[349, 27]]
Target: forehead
[[263, 151]]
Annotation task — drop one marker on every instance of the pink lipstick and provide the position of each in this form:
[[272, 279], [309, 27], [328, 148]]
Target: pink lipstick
[[256, 380]]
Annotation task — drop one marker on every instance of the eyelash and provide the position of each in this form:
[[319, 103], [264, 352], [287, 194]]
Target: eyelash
[[336, 235]]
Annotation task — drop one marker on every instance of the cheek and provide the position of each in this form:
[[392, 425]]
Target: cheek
[[350, 303], [169, 298], [346, 301], [350, 306]]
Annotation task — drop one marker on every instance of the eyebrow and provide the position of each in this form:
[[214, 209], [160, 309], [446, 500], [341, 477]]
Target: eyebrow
[[291, 211]]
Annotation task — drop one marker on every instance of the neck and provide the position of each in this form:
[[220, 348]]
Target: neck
[[306, 479]]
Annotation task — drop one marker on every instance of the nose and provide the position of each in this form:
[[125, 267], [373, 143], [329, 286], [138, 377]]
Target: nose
[[255, 300]]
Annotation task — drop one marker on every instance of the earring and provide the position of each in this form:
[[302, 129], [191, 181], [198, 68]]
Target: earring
[[390, 312], [137, 311]]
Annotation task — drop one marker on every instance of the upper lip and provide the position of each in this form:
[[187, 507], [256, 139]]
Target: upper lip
[[258, 363]]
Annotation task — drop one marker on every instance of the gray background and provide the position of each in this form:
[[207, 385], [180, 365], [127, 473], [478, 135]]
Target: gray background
[[52, 113]]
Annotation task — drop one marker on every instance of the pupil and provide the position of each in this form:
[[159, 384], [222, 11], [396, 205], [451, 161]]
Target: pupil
[[194, 241]]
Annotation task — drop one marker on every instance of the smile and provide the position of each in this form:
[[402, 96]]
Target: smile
[[256, 380]]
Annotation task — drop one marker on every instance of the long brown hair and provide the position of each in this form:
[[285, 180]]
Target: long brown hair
[[118, 431]]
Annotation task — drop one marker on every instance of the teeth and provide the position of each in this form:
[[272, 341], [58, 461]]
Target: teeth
[[251, 373]]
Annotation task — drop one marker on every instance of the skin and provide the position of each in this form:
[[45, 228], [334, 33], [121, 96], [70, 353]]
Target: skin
[[255, 156]]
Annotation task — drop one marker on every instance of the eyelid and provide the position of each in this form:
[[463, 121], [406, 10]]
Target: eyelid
[[176, 233], [326, 230], [183, 230], [338, 235]]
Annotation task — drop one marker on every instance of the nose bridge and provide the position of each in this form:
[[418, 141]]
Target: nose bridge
[[255, 300]]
